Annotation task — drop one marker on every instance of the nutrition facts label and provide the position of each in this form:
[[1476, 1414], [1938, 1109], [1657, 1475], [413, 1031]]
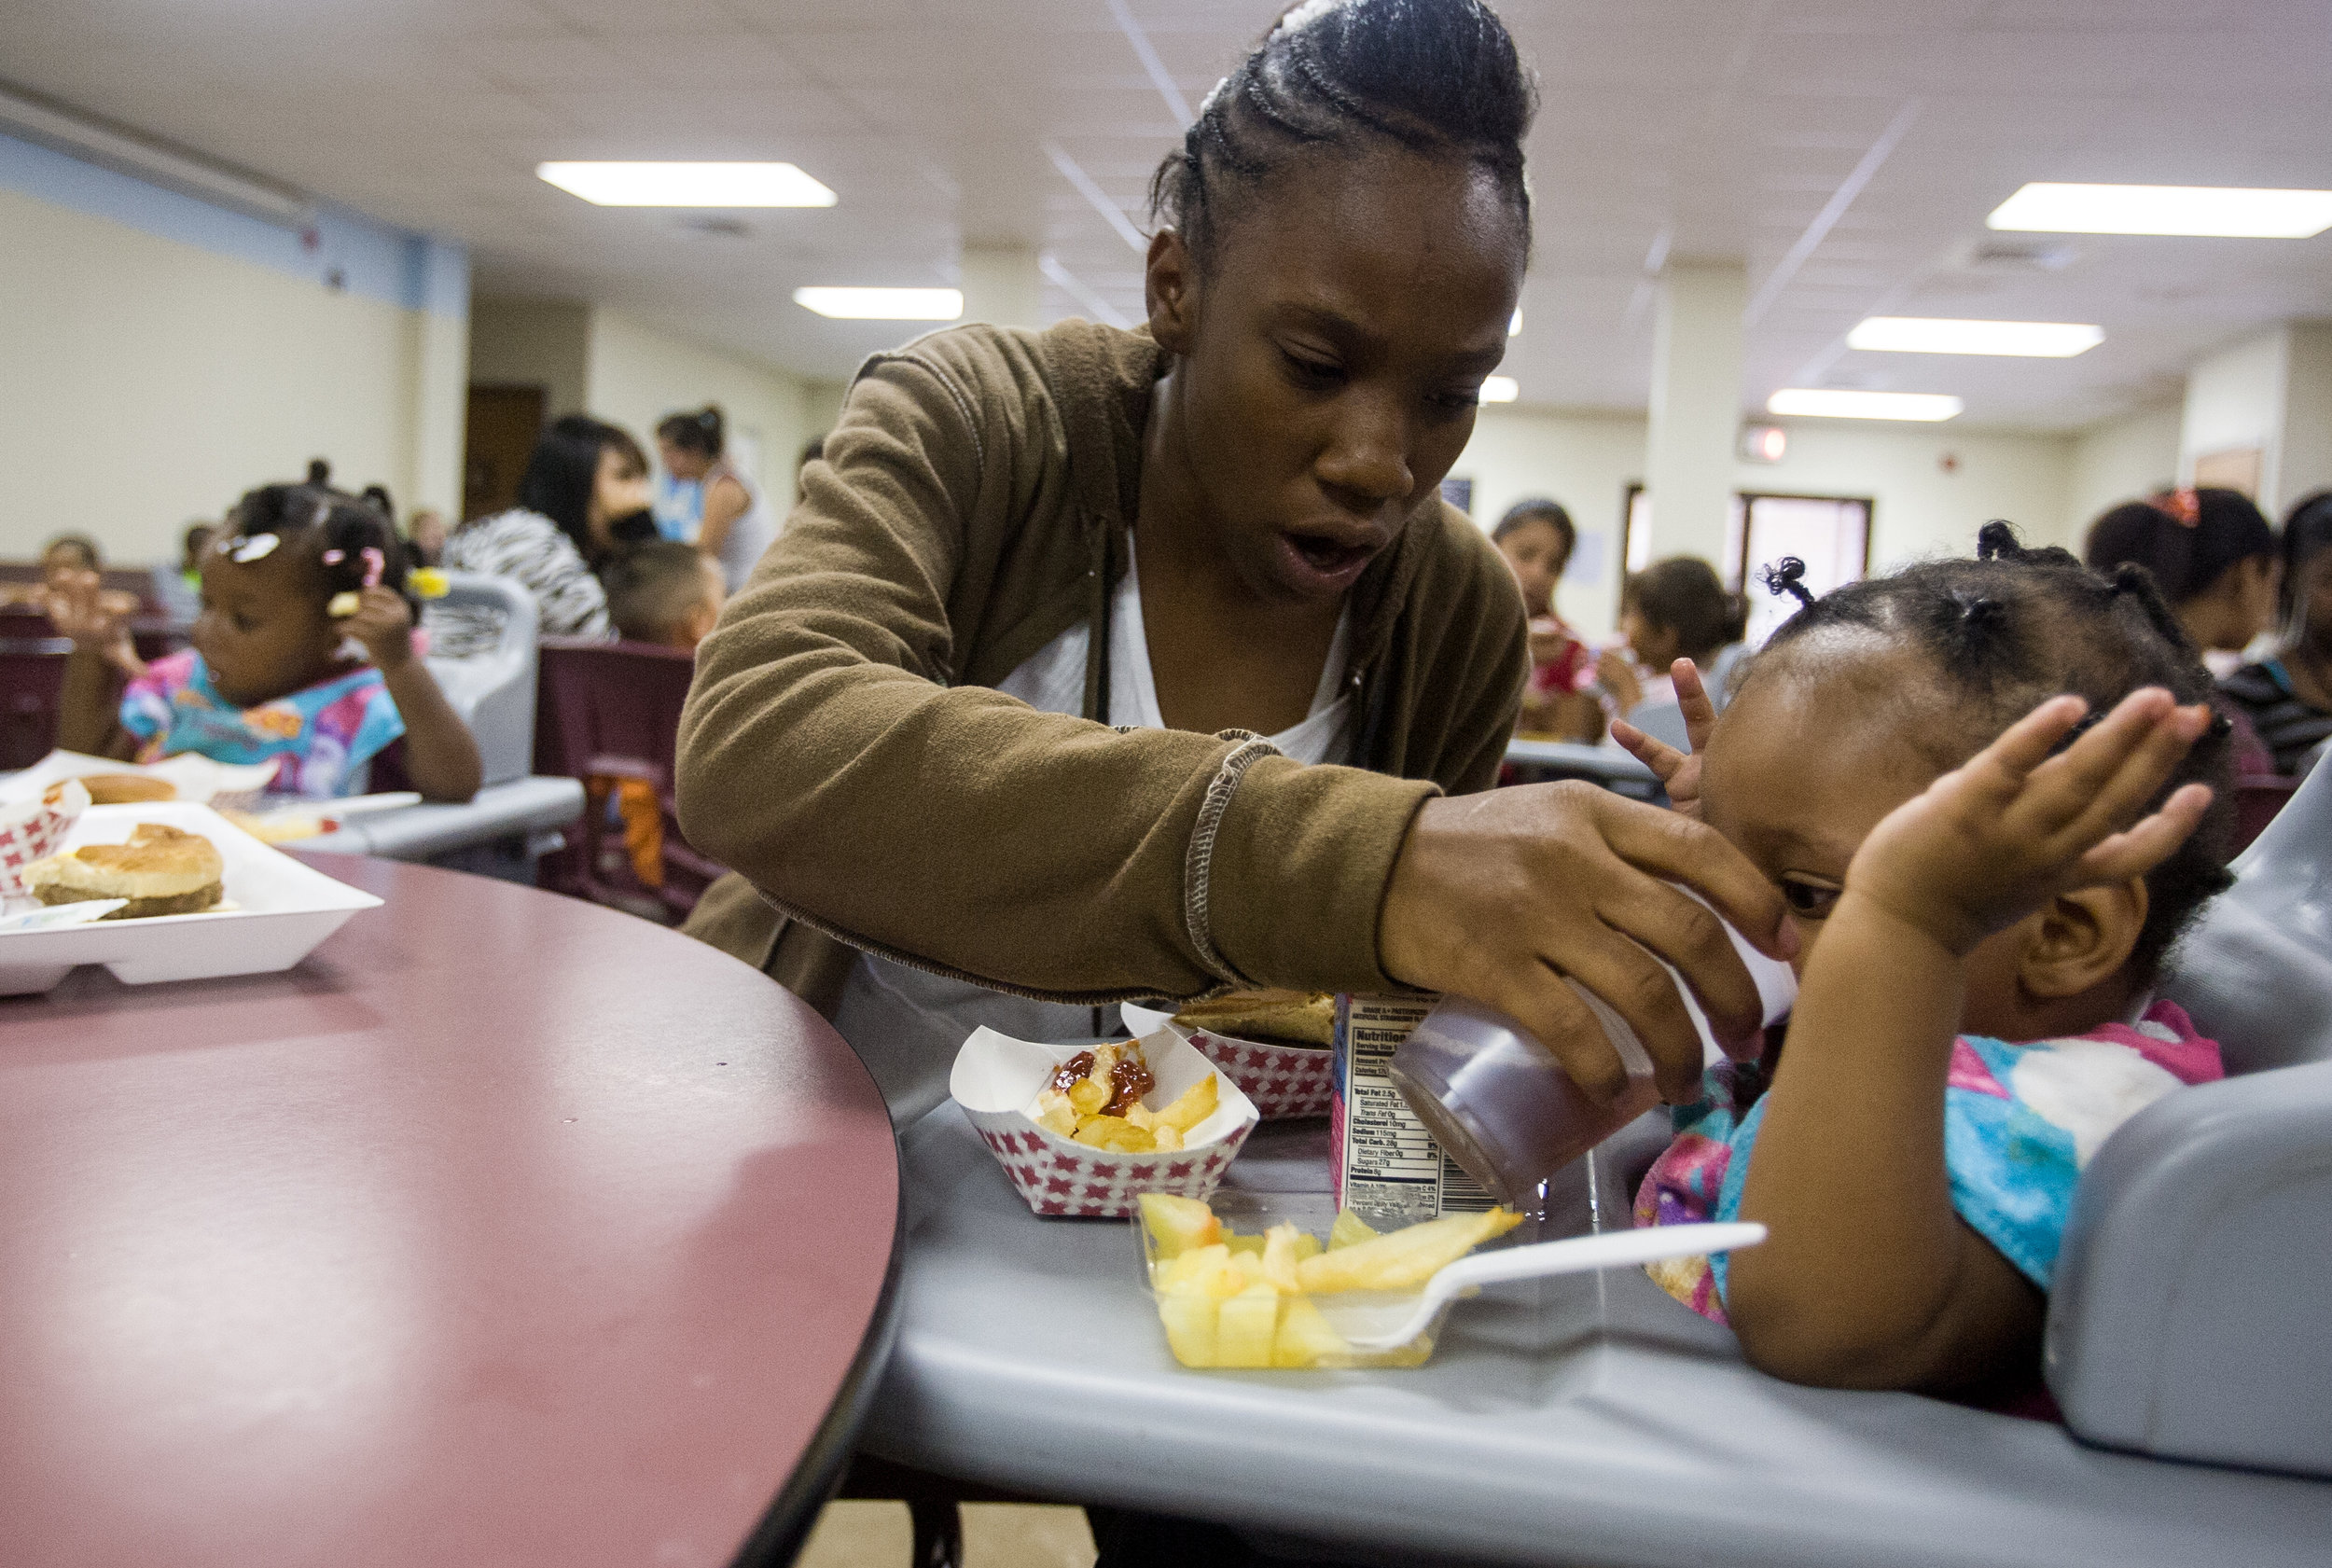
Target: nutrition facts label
[[1388, 1166]]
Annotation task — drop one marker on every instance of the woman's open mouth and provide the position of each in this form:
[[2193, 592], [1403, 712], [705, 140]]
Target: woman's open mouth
[[1321, 562]]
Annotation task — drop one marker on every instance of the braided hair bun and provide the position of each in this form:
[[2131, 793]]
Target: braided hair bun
[[1437, 76]]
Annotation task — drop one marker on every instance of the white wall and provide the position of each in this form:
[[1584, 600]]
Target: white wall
[[2235, 399], [639, 375], [620, 369], [145, 382], [1587, 461], [2123, 459], [541, 342]]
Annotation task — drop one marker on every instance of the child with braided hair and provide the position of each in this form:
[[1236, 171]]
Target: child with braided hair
[[302, 657], [1993, 792]]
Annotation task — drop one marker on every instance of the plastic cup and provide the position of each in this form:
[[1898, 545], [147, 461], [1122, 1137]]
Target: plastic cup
[[1500, 1102]]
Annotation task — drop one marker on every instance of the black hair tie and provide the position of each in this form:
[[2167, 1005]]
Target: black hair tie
[[1787, 576]]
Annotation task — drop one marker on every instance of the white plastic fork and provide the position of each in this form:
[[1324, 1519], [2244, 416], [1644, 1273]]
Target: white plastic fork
[[1578, 1254]]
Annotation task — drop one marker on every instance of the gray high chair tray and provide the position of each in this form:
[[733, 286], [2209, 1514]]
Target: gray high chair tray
[[1576, 1421]]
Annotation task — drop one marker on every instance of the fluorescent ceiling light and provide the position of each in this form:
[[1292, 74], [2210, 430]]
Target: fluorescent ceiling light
[[688, 185], [2166, 209], [1830, 403], [882, 304], [133, 153], [1499, 389], [2038, 340]]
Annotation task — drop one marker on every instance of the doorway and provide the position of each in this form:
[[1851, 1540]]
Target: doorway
[[504, 422]]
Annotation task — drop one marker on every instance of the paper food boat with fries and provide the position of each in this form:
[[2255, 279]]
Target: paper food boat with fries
[[1004, 1085]]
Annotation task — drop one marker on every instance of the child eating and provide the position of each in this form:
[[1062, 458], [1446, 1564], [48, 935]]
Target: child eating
[[1993, 792], [302, 654]]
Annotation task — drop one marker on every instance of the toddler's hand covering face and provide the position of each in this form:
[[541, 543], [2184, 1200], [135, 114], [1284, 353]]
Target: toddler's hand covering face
[[1994, 840]]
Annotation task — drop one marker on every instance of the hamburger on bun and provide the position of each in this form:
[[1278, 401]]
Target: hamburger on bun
[[118, 790], [162, 872]]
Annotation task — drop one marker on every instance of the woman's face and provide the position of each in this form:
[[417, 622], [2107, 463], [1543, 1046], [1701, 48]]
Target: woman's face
[[1538, 552], [1330, 354], [618, 489], [680, 463]]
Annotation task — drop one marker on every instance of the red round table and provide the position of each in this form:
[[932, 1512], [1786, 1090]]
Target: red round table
[[505, 1228]]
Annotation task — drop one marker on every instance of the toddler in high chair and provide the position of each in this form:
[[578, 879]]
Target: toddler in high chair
[[302, 654], [1993, 792]]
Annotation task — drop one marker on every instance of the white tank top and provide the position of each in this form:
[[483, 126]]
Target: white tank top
[[750, 532]]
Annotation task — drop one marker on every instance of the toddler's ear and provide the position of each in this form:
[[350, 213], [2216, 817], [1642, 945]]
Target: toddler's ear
[[2082, 940]]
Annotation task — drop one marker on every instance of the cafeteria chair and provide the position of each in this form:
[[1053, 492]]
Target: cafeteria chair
[[516, 816], [2257, 799], [611, 711], [2194, 1296], [32, 685]]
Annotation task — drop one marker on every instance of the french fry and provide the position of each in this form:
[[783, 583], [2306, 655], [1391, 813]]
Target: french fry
[[1192, 1106], [1089, 1095], [1166, 1140], [1054, 1111], [1349, 1227], [1114, 1133]]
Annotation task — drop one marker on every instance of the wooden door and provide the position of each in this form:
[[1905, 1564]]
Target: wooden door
[[504, 422]]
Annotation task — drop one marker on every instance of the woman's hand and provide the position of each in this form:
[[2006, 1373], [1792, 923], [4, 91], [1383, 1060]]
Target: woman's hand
[[97, 621], [382, 623], [1616, 672], [1991, 841], [1497, 896], [1679, 772]]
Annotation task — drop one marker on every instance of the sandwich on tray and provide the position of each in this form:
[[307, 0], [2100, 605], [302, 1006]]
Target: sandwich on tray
[[162, 870]]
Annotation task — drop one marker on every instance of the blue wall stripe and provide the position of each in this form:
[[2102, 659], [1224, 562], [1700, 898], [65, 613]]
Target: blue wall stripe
[[344, 249]]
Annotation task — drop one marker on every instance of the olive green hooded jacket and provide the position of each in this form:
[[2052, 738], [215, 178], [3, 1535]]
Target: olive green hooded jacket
[[841, 748]]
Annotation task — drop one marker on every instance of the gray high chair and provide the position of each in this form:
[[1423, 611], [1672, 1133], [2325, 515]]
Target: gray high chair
[[514, 819], [2193, 1300]]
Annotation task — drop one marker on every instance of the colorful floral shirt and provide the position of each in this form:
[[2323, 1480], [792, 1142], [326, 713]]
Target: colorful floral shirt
[[320, 737], [2020, 1122]]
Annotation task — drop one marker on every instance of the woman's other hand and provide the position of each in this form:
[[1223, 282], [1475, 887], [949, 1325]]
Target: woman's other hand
[[1498, 896]]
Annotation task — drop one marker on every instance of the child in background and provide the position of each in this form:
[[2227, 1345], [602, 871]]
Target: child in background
[[297, 575], [1537, 538], [1986, 874], [666, 593], [69, 553], [1672, 609]]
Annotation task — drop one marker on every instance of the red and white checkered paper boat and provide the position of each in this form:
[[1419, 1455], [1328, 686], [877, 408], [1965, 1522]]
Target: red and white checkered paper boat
[[1282, 1080], [996, 1081], [32, 829]]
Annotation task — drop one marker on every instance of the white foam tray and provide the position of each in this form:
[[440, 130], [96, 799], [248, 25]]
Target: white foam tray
[[281, 911]]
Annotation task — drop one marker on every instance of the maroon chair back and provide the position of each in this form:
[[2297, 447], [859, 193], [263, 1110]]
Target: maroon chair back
[[612, 710], [31, 687], [2257, 798]]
